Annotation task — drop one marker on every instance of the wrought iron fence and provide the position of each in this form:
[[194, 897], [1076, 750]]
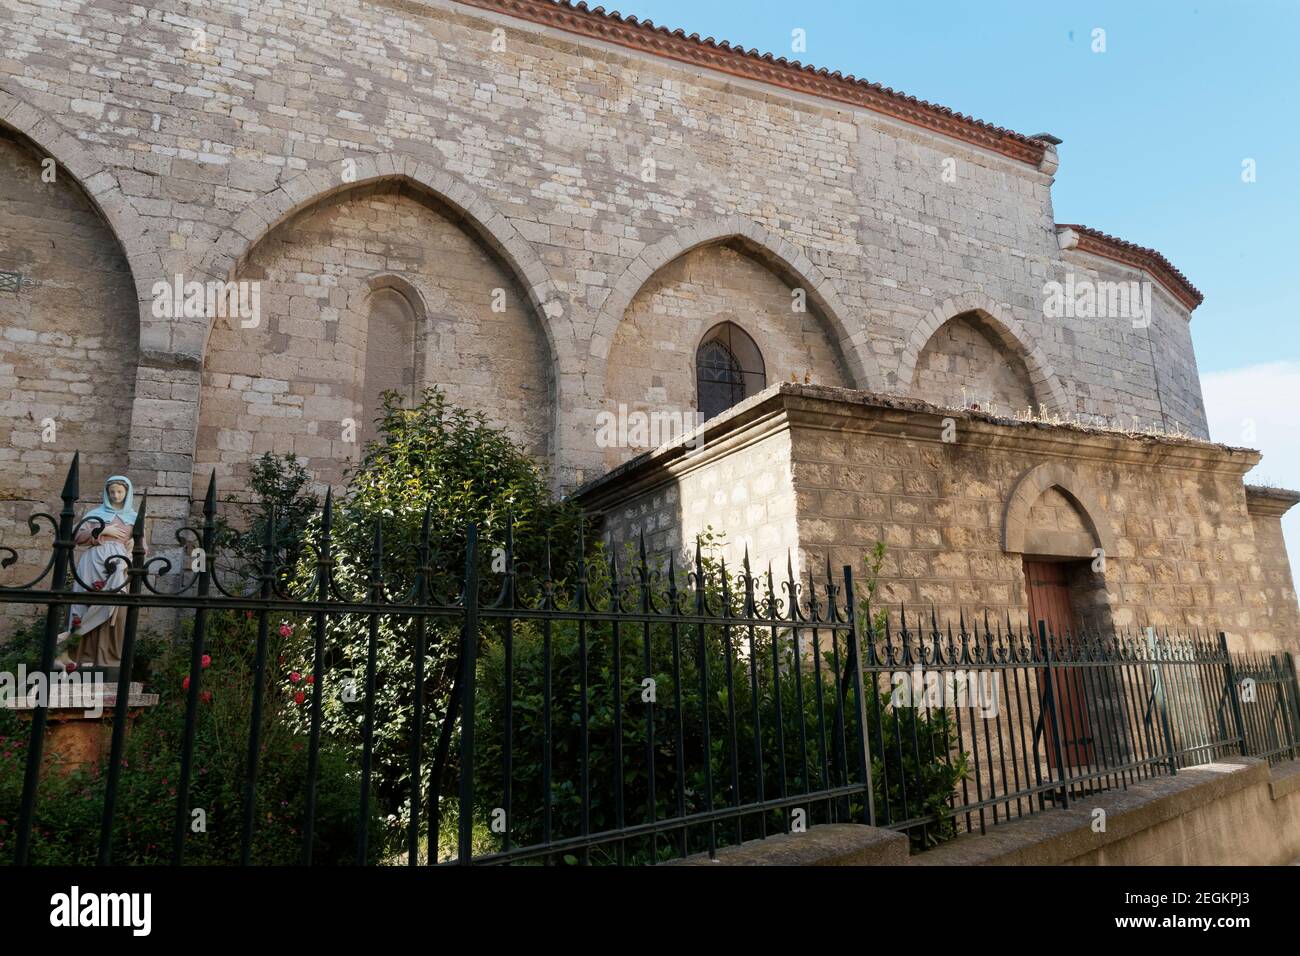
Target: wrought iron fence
[[593, 714]]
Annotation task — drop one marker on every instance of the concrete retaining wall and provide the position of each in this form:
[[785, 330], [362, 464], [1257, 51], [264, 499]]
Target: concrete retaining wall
[[1239, 812]]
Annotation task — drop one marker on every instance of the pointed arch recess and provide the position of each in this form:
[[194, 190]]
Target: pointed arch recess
[[782, 256], [496, 231], [1082, 495], [1010, 332], [98, 182]]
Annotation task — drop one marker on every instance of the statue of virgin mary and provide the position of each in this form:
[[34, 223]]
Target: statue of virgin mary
[[95, 632]]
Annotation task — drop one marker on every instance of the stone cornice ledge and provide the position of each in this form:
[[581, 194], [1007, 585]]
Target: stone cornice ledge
[[1097, 243], [1275, 502], [783, 406], [825, 407]]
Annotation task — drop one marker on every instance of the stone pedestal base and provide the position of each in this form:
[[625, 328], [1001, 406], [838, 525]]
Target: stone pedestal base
[[79, 725]]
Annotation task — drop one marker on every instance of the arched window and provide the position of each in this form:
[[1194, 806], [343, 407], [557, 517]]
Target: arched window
[[392, 353], [728, 369]]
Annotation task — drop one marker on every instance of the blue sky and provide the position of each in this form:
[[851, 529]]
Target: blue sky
[[1155, 131]]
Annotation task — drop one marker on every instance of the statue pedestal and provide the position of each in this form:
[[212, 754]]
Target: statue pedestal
[[79, 724]]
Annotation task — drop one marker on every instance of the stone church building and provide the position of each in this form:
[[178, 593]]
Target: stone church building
[[566, 218]]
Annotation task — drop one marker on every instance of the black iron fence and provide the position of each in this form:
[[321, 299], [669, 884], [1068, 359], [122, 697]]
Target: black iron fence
[[597, 713]]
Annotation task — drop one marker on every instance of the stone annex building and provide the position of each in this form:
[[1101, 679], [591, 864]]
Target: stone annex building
[[555, 212]]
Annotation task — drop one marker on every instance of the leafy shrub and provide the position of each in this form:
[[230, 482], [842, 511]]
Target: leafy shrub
[[814, 700], [67, 824], [451, 463], [279, 486]]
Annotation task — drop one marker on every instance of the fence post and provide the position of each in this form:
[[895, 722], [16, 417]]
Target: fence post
[[1157, 672], [36, 741], [855, 651], [469, 655], [1293, 692], [265, 591], [422, 574], [121, 708], [1277, 674], [376, 597], [206, 542], [1052, 697], [1234, 694], [323, 565]]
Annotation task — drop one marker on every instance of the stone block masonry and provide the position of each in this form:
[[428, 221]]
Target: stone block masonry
[[960, 500], [575, 169]]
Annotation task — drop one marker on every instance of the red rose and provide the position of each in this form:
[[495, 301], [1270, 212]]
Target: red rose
[[206, 660], [98, 585], [294, 677], [205, 696], [299, 697], [248, 614], [285, 630], [76, 621], [185, 684], [311, 678], [72, 665]]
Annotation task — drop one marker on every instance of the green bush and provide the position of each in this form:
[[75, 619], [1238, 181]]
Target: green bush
[[830, 745], [452, 463], [279, 487], [67, 823]]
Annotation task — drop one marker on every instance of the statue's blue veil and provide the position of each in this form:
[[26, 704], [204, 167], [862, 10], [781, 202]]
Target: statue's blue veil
[[107, 512]]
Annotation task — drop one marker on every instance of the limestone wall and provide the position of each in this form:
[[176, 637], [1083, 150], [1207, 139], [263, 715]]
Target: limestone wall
[[653, 359], [1266, 507], [289, 385], [583, 167], [963, 366], [1181, 549], [68, 333], [741, 501]]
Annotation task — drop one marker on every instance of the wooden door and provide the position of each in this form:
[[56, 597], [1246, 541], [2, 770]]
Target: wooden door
[[1048, 590]]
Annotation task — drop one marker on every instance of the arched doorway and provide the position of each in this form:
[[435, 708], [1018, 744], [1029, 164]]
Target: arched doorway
[[1054, 520]]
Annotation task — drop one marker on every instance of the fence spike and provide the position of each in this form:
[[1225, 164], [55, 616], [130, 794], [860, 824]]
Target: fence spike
[[268, 545], [615, 597], [772, 610], [327, 519], [510, 542], [793, 586], [72, 483], [699, 576], [813, 608], [832, 611], [137, 530]]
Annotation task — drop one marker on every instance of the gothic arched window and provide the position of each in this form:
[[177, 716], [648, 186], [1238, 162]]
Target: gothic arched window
[[728, 369]]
